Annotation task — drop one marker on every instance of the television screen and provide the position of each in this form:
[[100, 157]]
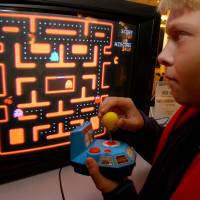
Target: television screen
[[54, 71], [56, 66]]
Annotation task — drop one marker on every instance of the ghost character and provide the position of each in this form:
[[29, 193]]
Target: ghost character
[[18, 113]]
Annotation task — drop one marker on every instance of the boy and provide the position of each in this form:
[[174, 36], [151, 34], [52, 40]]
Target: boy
[[175, 152]]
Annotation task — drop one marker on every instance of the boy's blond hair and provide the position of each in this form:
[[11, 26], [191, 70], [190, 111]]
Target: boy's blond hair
[[166, 5]]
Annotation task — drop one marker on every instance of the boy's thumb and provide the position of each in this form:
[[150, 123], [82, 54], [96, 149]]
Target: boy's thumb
[[93, 169]]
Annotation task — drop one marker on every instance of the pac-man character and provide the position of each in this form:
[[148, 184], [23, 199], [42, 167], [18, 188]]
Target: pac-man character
[[31, 38]]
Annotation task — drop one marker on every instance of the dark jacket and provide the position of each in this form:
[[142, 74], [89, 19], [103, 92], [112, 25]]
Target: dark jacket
[[169, 171]]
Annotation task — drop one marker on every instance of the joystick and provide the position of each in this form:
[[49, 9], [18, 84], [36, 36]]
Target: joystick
[[116, 159], [109, 120]]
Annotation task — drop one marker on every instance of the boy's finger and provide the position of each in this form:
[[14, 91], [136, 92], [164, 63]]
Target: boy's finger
[[126, 124]]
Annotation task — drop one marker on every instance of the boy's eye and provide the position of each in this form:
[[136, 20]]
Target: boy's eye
[[179, 35]]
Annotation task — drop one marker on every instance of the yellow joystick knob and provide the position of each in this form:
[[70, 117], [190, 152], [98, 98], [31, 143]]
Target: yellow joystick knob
[[109, 120]]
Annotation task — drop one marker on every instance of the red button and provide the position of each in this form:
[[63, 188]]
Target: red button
[[107, 150], [111, 143], [94, 150]]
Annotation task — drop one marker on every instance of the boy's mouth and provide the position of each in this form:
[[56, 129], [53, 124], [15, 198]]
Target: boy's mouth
[[170, 78]]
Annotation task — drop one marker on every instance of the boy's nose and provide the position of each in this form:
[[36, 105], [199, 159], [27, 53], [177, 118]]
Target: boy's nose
[[166, 56]]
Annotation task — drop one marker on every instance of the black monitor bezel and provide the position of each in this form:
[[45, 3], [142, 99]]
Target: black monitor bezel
[[144, 16]]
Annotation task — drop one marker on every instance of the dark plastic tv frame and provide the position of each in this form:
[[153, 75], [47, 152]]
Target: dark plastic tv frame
[[140, 77]]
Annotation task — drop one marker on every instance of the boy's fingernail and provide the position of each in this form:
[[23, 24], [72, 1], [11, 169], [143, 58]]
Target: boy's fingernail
[[88, 162]]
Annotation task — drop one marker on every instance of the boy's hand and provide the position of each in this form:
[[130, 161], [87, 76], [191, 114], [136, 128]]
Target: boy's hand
[[129, 117], [104, 184]]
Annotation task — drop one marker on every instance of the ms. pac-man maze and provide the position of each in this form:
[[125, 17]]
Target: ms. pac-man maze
[[52, 78]]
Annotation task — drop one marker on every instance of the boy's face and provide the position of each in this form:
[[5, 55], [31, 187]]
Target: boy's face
[[181, 56]]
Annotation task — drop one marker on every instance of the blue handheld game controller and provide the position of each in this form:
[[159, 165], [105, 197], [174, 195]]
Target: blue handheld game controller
[[116, 159]]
